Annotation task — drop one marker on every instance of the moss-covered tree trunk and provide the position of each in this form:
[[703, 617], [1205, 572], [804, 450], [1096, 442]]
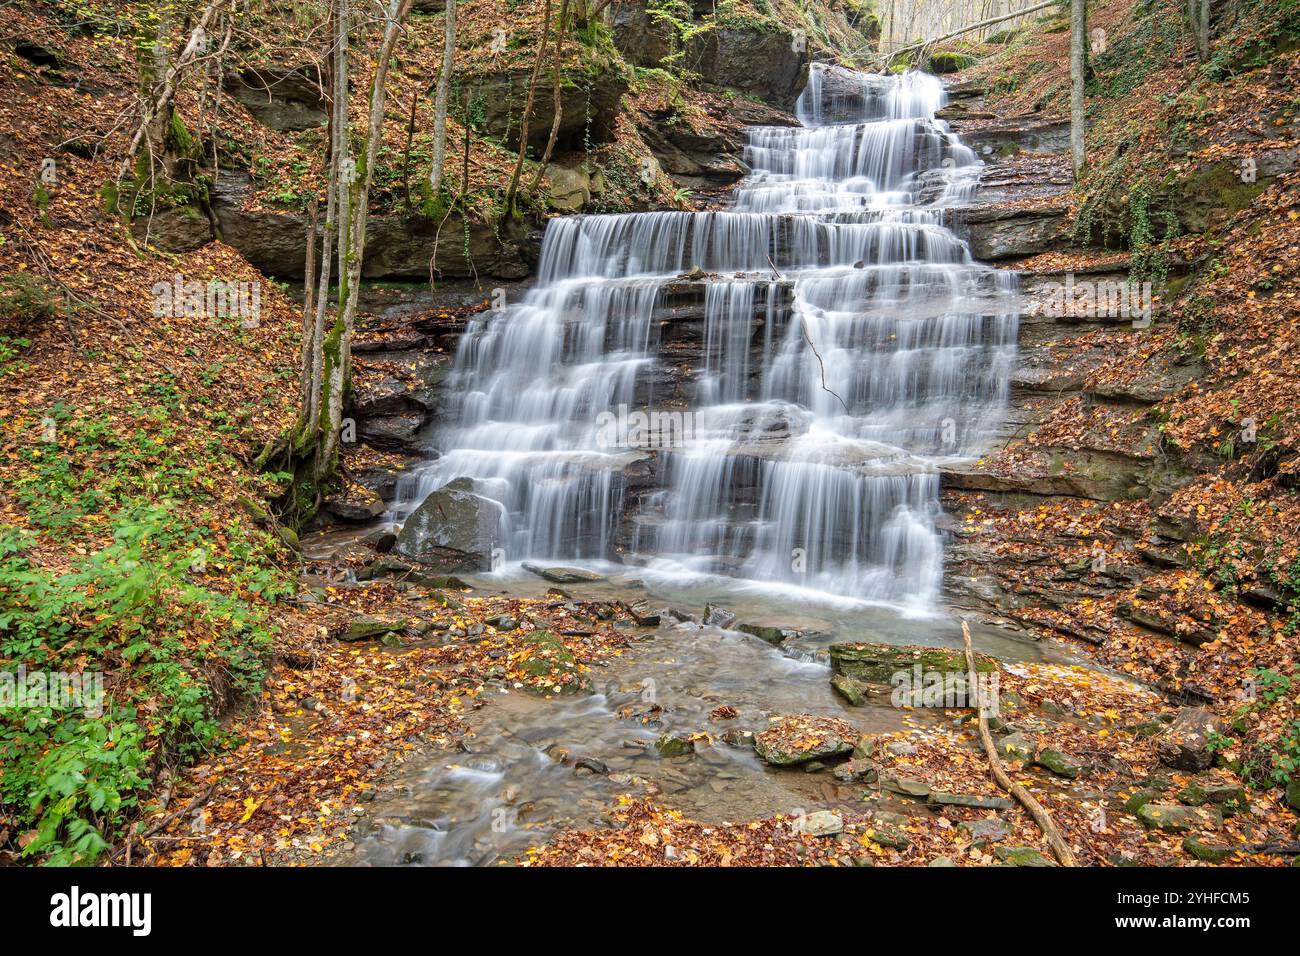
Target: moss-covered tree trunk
[[440, 101], [1078, 67], [353, 188]]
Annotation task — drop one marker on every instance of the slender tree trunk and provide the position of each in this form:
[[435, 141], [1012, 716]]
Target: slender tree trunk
[[440, 102], [528, 106], [1078, 66], [310, 430], [1203, 31], [561, 27], [354, 196], [309, 307]]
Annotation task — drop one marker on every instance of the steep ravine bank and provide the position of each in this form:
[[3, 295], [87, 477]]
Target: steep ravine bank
[[651, 109]]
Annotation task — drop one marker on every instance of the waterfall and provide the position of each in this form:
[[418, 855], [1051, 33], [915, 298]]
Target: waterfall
[[849, 348]]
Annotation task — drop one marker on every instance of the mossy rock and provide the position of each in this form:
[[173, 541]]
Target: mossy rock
[[1137, 801], [1206, 851], [674, 745], [799, 738], [365, 626], [1058, 763], [1227, 796], [550, 666], [877, 663], [1022, 856], [949, 61], [1173, 818], [1213, 194], [851, 690], [888, 836]]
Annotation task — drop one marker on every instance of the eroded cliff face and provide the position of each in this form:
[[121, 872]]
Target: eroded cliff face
[[651, 100]]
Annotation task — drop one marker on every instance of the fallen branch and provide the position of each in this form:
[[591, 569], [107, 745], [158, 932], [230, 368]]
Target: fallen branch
[[1041, 816]]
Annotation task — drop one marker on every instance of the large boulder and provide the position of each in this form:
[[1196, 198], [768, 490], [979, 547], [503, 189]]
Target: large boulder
[[642, 39], [800, 738], [589, 105], [174, 229], [283, 98], [397, 247], [453, 530], [1004, 232], [878, 663], [763, 61]]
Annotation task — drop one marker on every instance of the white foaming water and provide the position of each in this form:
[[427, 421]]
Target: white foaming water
[[850, 347]]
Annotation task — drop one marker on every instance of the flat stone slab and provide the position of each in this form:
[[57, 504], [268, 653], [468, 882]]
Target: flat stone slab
[[563, 575], [939, 798]]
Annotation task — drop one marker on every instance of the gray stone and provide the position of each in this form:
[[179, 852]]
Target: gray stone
[[717, 616], [940, 798], [1185, 745], [563, 575], [452, 530], [905, 786], [819, 823], [984, 832]]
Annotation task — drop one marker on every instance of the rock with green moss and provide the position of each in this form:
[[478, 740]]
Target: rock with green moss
[[550, 666], [949, 61], [364, 627], [1293, 793], [851, 690], [672, 744], [1217, 791], [799, 738], [888, 836], [1058, 763], [878, 663], [1172, 818], [1022, 856], [1208, 852], [766, 632], [1140, 799], [1016, 747]]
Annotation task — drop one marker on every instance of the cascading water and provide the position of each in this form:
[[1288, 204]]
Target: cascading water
[[850, 347]]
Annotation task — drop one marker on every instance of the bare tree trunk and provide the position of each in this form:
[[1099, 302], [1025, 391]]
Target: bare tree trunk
[[310, 432], [561, 27], [528, 106], [1203, 31], [1078, 65], [440, 103], [354, 205], [309, 306]]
